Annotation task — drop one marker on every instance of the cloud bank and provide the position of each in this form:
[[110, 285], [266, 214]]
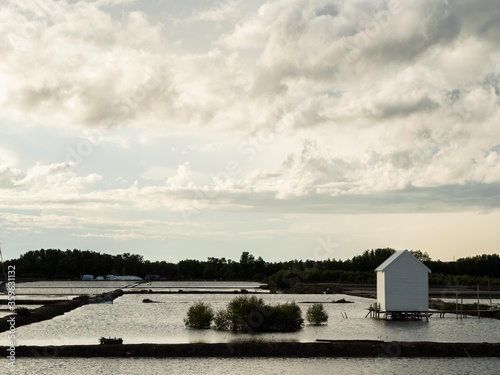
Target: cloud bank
[[278, 107]]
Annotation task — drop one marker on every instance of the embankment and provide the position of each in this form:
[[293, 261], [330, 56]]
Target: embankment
[[344, 349], [370, 290], [42, 313], [51, 310]]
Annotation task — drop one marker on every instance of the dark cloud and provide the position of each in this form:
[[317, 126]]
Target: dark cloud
[[404, 109], [451, 198], [327, 10]]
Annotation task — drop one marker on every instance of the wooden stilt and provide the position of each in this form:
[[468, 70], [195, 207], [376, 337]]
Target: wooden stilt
[[478, 313]]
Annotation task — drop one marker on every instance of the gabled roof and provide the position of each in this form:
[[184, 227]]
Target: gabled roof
[[392, 259]]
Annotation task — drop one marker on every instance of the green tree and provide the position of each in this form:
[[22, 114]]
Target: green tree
[[222, 320], [199, 316], [245, 313], [316, 314], [423, 257], [246, 258], [250, 314], [285, 317]]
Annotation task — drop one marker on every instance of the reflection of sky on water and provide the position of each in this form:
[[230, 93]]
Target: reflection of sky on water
[[235, 366], [162, 322]]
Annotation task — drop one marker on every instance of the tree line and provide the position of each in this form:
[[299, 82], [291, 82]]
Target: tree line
[[72, 264]]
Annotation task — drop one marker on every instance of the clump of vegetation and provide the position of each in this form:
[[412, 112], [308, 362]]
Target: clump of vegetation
[[245, 312], [250, 314], [316, 314], [23, 311], [284, 318], [199, 316], [222, 320]]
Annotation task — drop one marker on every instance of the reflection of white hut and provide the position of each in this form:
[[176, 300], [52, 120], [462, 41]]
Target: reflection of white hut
[[402, 285]]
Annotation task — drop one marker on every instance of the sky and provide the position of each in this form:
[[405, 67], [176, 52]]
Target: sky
[[292, 129]]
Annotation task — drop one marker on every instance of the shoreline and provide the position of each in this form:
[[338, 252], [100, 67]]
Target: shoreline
[[326, 348], [40, 314], [50, 310]]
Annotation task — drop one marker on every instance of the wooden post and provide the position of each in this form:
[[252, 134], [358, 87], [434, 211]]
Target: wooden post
[[489, 290], [478, 316]]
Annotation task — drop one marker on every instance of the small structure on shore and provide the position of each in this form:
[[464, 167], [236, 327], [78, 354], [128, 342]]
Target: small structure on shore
[[342, 300], [123, 278], [110, 340], [402, 288]]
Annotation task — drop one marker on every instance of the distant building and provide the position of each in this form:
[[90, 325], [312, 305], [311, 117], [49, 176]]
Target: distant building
[[402, 285], [155, 278], [123, 278]]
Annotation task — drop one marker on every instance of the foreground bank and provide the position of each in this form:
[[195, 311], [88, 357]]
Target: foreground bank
[[333, 349]]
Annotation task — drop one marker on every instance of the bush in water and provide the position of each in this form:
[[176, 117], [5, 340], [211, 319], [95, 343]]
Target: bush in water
[[316, 314], [251, 314], [200, 316]]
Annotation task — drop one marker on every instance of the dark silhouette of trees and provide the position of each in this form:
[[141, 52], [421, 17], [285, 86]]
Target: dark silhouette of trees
[[71, 264]]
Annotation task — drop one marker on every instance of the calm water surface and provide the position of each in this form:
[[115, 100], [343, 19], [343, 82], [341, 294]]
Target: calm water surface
[[162, 322], [234, 366]]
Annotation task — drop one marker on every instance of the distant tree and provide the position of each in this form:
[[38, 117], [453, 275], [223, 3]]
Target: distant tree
[[190, 269], [423, 257], [369, 260], [209, 271], [285, 279], [246, 258], [291, 274]]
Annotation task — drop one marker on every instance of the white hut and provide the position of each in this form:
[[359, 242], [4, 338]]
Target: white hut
[[402, 285]]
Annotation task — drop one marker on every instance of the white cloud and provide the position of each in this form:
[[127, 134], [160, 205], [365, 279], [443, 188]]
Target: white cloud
[[53, 178], [8, 158], [157, 173], [120, 235], [205, 147], [323, 105], [110, 3], [219, 12]]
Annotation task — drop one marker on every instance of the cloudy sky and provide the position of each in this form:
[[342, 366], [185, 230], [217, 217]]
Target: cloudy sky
[[307, 129]]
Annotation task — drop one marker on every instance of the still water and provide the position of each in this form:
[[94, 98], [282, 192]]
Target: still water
[[235, 366], [162, 322]]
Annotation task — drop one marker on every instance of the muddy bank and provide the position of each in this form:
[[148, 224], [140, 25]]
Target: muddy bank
[[4, 302], [345, 349], [182, 291], [52, 309], [370, 290], [42, 313]]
